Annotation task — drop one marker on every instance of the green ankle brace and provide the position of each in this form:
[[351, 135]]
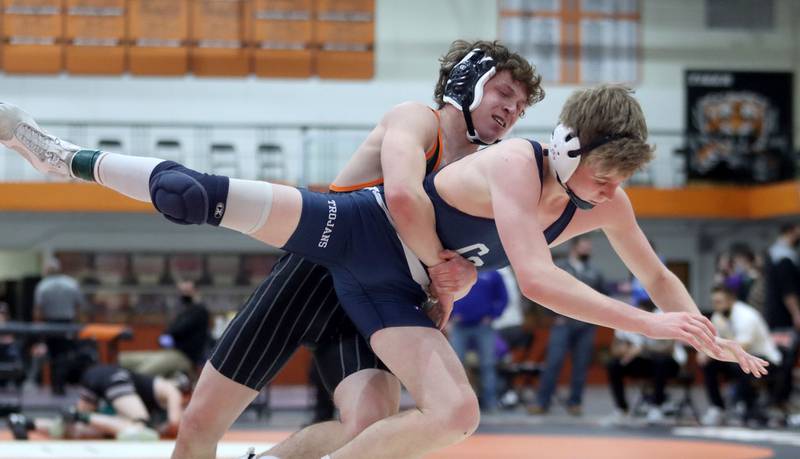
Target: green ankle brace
[[83, 164]]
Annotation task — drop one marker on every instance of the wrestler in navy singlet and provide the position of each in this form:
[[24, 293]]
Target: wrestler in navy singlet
[[377, 279], [476, 238]]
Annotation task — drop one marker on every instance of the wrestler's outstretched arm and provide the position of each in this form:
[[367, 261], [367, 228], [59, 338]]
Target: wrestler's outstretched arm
[[664, 288], [515, 192]]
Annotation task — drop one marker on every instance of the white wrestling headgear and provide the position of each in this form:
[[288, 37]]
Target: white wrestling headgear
[[464, 87], [565, 153]]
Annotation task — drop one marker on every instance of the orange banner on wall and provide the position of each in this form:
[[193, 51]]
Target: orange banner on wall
[[755, 202]]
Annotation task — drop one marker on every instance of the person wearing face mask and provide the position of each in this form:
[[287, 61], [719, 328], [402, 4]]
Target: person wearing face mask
[[571, 336], [742, 323], [183, 343], [747, 275]]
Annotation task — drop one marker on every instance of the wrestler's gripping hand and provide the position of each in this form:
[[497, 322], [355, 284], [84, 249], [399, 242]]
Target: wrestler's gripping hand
[[451, 279]]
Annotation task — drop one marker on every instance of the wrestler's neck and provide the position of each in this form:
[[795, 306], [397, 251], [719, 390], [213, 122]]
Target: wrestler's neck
[[553, 195], [455, 144]]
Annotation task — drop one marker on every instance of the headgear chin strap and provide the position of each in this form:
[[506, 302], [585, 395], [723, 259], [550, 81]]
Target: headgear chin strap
[[565, 154], [464, 87]]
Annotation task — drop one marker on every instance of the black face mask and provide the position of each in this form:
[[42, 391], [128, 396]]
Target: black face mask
[[584, 258], [187, 300]]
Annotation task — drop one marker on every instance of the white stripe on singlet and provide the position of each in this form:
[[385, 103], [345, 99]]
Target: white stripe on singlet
[[358, 355], [87, 395], [266, 348], [325, 325], [310, 323], [250, 315], [418, 271], [118, 390], [316, 313], [341, 356], [291, 330]]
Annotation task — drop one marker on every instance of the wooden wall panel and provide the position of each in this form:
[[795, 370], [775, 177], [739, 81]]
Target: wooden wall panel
[[159, 34], [344, 31], [282, 34], [95, 33], [34, 32], [271, 38], [218, 31]]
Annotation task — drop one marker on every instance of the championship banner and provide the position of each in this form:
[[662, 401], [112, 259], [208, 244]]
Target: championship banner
[[739, 126]]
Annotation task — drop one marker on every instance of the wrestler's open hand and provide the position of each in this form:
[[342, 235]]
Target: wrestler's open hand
[[733, 352], [693, 329], [453, 275]]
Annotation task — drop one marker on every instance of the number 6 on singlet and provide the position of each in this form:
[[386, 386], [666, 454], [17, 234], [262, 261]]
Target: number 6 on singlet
[[475, 258]]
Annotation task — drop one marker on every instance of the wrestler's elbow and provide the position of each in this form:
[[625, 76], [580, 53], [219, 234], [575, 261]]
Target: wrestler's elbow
[[403, 202], [537, 285]]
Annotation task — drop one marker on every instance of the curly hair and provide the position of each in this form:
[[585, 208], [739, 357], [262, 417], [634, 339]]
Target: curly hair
[[521, 70]]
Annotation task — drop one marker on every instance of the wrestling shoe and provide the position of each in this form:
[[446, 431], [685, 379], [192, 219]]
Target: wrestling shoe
[[18, 424], [46, 153]]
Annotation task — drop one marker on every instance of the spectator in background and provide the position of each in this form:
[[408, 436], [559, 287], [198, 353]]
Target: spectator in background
[[184, 342], [634, 355], [570, 335], [513, 335], [58, 299], [723, 268], [471, 320], [752, 269], [782, 307], [742, 323], [509, 326], [742, 275]]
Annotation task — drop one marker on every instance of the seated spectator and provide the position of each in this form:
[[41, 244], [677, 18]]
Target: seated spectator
[[144, 407], [741, 322], [634, 355], [184, 342], [471, 320]]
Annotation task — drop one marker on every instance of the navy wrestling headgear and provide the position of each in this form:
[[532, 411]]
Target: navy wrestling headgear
[[464, 87], [565, 153]]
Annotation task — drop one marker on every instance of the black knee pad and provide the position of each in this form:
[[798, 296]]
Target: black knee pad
[[188, 197]]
